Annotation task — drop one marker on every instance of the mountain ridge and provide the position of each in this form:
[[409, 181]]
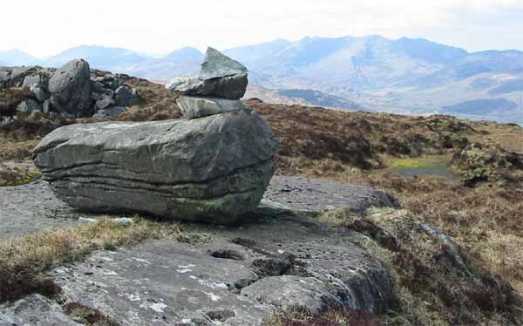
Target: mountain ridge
[[404, 75]]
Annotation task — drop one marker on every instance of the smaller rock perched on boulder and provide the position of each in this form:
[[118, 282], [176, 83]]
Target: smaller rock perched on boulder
[[221, 83], [220, 76], [196, 107]]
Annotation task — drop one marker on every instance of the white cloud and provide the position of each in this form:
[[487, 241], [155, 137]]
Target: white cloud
[[46, 27]]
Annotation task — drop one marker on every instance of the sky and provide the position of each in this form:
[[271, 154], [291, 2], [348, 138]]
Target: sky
[[44, 28]]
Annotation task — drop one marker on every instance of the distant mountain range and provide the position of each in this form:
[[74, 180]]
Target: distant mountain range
[[379, 74]]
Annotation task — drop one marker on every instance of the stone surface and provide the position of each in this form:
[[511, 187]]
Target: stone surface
[[46, 106], [218, 65], [38, 84], [29, 106], [310, 195], [220, 77], [125, 96], [104, 101], [110, 112], [280, 260], [212, 169], [197, 107], [35, 310], [14, 76], [70, 88], [30, 208]]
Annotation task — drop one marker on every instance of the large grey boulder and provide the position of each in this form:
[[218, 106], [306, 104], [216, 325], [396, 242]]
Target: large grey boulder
[[212, 169], [220, 76], [70, 88]]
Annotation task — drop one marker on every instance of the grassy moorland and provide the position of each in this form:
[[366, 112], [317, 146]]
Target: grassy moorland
[[470, 187], [479, 203]]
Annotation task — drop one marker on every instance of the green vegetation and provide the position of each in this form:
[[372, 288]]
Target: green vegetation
[[432, 165], [418, 162]]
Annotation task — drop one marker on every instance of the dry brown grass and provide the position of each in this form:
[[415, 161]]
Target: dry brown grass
[[23, 261], [10, 98], [357, 139], [157, 103], [18, 150], [15, 165], [436, 282], [328, 318]]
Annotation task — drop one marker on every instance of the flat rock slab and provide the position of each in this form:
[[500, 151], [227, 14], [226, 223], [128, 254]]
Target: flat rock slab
[[30, 208], [34, 207], [310, 195], [239, 277], [281, 260]]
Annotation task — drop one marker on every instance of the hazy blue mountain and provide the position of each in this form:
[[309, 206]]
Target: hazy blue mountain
[[307, 97], [506, 87], [185, 61], [255, 54], [314, 97], [481, 106], [405, 75], [17, 58], [115, 59], [428, 51], [186, 54]]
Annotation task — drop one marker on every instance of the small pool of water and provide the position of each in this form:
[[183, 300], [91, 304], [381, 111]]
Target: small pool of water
[[436, 166]]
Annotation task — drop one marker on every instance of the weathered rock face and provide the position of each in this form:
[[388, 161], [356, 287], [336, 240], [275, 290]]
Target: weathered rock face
[[220, 77], [210, 169], [70, 88]]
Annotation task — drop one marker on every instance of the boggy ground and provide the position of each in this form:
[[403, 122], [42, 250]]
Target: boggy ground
[[479, 207]]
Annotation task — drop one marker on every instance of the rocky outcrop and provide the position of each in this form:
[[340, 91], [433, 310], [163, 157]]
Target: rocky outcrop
[[280, 260], [212, 169], [71, 91], [220, 76]]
